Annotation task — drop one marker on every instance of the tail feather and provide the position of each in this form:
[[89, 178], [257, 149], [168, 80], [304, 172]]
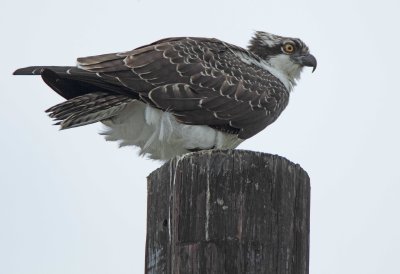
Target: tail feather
[[66, 81], [71, 82], [90, 98], [80, 103], [38, 70], [82, 119], [87, 109]]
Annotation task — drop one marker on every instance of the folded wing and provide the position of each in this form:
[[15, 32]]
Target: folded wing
[[201, 81]]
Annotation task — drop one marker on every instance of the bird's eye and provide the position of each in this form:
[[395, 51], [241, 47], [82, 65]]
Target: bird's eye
[[288, 48]]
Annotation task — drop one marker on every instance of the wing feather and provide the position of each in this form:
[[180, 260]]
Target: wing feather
[[201, 81]]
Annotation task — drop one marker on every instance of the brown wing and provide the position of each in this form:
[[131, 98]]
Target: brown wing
[[201, 81]]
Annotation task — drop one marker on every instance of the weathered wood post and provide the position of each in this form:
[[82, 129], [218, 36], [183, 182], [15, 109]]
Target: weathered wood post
[[228, 212]]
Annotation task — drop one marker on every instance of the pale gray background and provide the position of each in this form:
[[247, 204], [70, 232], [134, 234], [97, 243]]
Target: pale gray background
[[72, 203]]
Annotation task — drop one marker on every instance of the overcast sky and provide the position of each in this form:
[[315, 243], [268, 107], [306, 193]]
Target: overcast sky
[[72, 203]]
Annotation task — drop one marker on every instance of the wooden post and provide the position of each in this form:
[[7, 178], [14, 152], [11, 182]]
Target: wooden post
[[228, 212]]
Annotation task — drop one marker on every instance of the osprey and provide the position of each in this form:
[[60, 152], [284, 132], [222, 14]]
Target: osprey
[[180, 94]]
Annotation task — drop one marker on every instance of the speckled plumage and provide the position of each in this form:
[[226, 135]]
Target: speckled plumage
[[197, 81]]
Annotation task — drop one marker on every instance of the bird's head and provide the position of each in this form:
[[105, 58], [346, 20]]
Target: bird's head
[[285, 54]]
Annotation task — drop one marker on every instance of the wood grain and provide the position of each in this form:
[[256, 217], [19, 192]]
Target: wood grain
[[228, 212]]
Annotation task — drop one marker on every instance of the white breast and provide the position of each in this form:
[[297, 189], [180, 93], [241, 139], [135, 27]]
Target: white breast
[[159, 135]]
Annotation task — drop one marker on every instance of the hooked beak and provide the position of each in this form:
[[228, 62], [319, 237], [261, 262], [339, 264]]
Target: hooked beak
[[307, 60]]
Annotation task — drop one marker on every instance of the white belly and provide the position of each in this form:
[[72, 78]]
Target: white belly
[[159, 135]]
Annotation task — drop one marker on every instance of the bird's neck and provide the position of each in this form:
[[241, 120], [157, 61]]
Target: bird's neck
[[287, 78], [282, 65]]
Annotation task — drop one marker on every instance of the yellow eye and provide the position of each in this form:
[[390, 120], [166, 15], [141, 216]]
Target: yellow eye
[[288, 48]]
